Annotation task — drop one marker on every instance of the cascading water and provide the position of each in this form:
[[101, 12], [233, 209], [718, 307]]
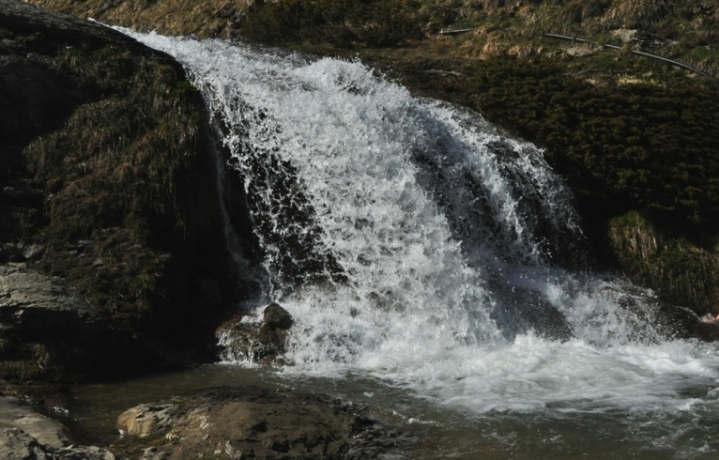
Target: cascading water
[[414, 243]]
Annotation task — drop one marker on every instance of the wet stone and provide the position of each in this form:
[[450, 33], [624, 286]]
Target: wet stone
[[263, 341]]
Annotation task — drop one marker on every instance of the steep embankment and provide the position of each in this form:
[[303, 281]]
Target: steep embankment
[[111, 242], [634, 137]]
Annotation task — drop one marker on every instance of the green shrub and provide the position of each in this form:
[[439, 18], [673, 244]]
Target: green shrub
[[373, 23]]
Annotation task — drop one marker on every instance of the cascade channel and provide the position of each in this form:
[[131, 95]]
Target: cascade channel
[[427, 254]]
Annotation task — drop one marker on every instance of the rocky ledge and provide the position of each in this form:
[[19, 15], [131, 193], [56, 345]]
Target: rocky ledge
[[25, 435], [48, 331]]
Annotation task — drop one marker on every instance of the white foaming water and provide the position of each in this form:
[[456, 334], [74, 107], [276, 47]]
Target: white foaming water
[[412, 242]]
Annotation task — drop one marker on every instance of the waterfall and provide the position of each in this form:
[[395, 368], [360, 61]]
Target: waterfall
[[415, 243]]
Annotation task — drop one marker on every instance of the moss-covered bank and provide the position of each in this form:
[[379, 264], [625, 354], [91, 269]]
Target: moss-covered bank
[[629, 134], [107, 172]]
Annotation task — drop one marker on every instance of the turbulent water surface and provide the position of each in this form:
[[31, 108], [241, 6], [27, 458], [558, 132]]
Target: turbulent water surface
[[421, 251]]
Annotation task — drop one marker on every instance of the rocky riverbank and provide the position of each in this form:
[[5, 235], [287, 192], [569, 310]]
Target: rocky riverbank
[[26, 435], [239, 422]]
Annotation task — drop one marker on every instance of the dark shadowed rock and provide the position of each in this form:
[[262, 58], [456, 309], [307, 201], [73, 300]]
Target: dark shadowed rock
[[708, 332], [520, 311], [49, 329], [276, 317]]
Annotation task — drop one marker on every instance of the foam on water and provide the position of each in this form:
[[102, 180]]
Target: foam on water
[[443, 235]]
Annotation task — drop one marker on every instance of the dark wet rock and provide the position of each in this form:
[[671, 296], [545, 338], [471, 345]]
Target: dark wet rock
[[275, 317], [249, 422], [260, 341], [707, 332], [520, 311], [676, 322]]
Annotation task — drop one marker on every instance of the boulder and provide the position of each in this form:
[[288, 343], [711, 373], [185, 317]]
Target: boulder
[[250, 422], [265, 341], [275, 317], [707, 332]]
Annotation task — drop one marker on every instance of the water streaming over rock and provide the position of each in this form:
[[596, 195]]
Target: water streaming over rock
[[415, 243]]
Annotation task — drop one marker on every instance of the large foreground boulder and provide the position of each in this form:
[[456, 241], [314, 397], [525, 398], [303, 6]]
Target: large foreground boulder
[[248, 423], [108, 186]]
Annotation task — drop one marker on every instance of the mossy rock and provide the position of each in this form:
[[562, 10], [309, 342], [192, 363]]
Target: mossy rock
[[108, 167], [681, 271]]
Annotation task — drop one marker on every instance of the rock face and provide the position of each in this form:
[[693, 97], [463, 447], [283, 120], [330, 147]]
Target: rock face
[[49, 329], [108, 192], [258, 341], [16, 444], [15, 414], [248, 423], [29, 300]]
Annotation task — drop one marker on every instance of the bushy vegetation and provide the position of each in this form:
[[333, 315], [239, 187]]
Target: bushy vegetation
[[653, 146], [373, 23]]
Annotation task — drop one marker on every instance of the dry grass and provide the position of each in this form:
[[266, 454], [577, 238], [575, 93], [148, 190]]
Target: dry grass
[[682, 272]]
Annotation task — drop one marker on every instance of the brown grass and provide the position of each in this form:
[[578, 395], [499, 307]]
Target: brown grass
[[682, 272]]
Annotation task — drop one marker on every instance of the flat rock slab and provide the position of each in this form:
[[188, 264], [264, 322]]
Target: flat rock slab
[[26, 435], [248, 423], [31, 300], [16, 414]]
